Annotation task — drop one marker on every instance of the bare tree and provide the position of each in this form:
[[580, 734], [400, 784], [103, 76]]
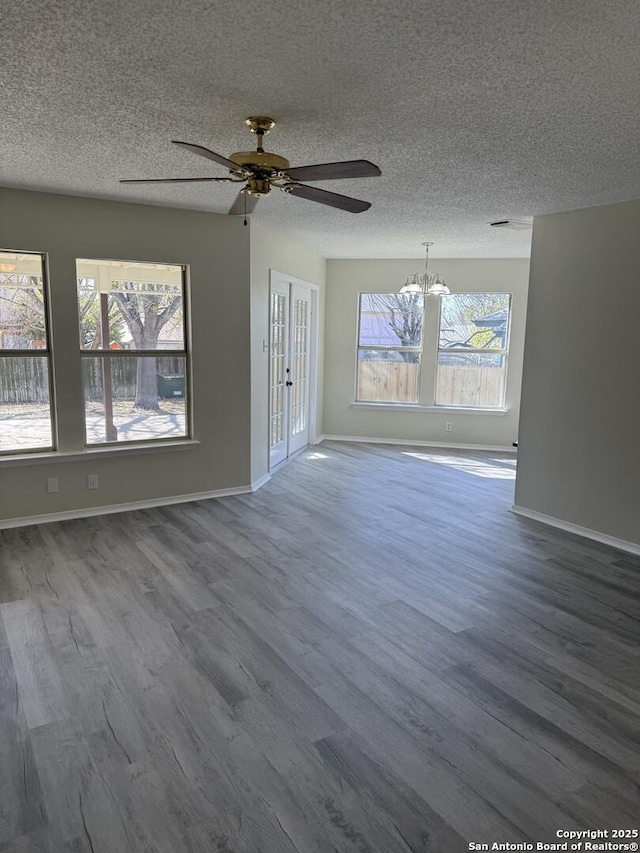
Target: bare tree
[[146, 314], [398, 319], [22, 308], [90, 321], [474, 321]]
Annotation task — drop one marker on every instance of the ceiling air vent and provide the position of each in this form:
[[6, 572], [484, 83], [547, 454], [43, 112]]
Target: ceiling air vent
[[514, 224]]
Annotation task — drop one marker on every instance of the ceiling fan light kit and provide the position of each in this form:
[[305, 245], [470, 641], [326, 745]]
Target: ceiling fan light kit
[[260, 171]]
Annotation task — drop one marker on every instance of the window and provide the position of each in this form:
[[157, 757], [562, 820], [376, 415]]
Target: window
[[133, 351], [434, 351], [472, 350], [25, 364], [389, 347]]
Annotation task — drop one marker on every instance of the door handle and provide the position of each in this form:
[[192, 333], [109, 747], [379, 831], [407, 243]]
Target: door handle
[[287, 383]]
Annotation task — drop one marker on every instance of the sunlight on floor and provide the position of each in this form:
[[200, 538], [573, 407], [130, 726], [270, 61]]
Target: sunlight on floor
[[316, 455], [32, 432], [511, 461], [495, 471]]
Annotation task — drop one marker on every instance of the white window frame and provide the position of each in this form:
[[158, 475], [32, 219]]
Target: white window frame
[[66, 441], [503, 351], [382, 348], [40, 352], [429, 351], [185, 352]]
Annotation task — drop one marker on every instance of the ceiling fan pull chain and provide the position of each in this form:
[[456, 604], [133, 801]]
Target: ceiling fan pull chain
[[245, 207]]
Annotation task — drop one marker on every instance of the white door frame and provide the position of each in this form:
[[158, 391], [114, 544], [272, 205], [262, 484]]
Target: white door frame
[[277, 277]]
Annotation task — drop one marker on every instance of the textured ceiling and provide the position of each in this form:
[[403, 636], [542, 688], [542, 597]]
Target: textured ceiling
[[474, 111]]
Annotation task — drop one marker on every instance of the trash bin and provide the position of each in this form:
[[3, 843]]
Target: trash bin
[[171, 385]]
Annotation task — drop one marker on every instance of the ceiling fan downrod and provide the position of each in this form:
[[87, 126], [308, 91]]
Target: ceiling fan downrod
[[260, 125]]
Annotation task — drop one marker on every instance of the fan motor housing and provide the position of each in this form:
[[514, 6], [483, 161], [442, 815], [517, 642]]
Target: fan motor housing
[[258, 186], [261, 160]]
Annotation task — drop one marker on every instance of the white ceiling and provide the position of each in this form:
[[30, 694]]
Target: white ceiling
[[474, 111]]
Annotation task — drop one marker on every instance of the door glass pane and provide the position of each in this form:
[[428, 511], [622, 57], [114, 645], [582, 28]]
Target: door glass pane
[[277, 367], [299, 360]]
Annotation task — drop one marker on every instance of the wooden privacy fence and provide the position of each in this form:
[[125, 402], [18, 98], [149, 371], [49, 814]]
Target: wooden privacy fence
[[26, 380], [456, 385], [388, 381], [469, 386]]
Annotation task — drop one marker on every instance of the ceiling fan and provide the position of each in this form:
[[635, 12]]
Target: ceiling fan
[[261, 170]]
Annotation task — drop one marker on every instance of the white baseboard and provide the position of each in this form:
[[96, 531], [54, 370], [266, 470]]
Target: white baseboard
[[361, 439], [585, 532], [260, 482], [87, 512]]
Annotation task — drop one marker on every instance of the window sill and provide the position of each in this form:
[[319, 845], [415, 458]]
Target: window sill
[[430, 410], [94, 453]]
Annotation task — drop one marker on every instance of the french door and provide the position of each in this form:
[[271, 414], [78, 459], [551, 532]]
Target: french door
[[290, 350]]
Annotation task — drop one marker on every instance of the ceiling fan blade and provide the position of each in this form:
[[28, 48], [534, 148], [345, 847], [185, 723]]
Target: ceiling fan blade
[[170, 180], [334, 171], [238, 207], [210, 155], [344, 202]]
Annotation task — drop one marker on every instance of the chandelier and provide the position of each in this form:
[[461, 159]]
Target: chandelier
[[422, 282]]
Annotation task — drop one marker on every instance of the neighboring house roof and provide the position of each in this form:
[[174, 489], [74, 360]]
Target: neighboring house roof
[[376, 331], [463, 334], [497, 321]]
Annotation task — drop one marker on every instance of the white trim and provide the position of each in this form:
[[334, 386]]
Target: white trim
[[314, 355], [320, 438], [441, 410], [430, 351], [289, 458], [297, 453], [259, 483], [285, 280], [88, 512], [492, 448], [569, 527], [94, 453]]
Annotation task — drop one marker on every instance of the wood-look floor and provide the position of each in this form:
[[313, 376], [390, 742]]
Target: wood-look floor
[[369, 655]]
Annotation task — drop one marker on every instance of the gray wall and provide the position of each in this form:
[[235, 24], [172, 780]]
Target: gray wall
[[216, 248], [579, 454], [345, 280]]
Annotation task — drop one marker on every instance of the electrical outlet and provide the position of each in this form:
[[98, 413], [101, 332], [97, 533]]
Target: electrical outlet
[[448, 426], [92, 481], [52, 485]]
